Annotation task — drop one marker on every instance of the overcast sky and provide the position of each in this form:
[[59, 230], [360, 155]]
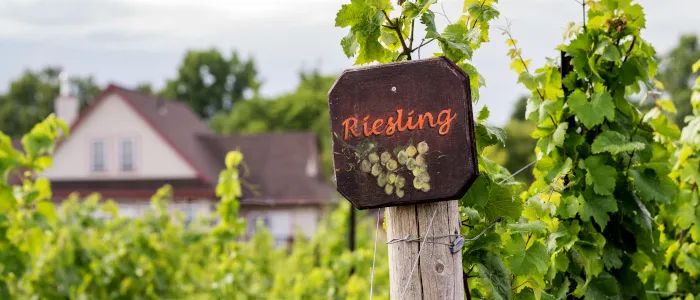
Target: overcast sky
[[132, 41]]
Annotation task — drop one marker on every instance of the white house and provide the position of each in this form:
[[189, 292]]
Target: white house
[[126, 144]]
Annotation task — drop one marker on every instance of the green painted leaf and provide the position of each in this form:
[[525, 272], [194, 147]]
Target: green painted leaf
[[614, 142]]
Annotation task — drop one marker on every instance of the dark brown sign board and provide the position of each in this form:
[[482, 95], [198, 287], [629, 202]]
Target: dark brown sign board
[[403, 133]]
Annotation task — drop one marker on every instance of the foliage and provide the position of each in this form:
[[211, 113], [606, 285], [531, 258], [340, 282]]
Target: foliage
[[590, 225], [209, 82], [518, 150], [676, 76], [86, 250], [305, 109], [380, 32], [30, 98], [603, 180]]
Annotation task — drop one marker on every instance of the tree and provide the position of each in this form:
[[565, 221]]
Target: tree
[[30, 98], [518, 151], [675, 74], [304, 109], [209, 82]]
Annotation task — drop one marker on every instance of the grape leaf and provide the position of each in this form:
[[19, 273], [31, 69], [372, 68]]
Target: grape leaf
[[652, 188], [492, 269], [560, 134], [502, 203], [597, 207], [594, 112], [603, 287], [599, 175], [527, 261], [614, 142]]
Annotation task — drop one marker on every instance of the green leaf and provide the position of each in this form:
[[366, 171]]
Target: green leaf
[[608, 51], [483, 114], [568, 207], [603, 287], [666, 105], [502, 203], [652, 188], [599, 175], [428, 19], [535, 226], [532, 260], [454, 42], [349, 44], [594, 112], [560, 134], [614, 142], [597, 207], [492, 270]]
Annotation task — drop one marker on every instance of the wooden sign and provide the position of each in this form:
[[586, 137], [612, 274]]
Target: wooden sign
[[403, 133]]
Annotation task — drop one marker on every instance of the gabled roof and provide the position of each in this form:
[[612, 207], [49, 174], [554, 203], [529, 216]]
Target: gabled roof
[[275, 164], [278, 168], [172, 120]]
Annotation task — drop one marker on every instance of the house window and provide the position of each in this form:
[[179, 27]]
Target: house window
[[98, 156], [126, 150]]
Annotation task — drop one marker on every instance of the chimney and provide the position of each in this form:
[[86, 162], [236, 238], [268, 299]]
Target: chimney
[[66, 106]]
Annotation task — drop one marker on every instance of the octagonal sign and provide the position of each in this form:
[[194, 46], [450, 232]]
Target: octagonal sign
[[403, 133]]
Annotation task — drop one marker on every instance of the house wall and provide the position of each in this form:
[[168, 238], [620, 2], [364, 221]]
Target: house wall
[[113, 120], [190, 209], [283, 222]]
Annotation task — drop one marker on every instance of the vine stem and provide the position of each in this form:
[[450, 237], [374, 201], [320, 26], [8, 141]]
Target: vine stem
[[520, 58], [395, 27]]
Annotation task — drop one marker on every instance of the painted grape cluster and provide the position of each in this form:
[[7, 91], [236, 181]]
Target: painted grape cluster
[[387, 167]]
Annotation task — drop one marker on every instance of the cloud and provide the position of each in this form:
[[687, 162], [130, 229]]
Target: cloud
[[130, 41]]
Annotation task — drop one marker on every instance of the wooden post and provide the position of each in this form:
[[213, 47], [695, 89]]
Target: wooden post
[[403, 138], [438, 274]]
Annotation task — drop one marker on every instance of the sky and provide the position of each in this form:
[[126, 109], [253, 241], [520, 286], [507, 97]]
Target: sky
[[133, 41]]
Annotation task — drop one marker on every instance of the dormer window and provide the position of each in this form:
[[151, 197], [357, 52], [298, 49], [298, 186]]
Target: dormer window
[[98, 163], [126, 155]]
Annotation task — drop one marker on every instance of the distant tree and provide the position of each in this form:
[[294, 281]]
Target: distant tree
[[519, 147], [519, 109], [85, 89], [210, 83], [144, 87], [304, 109], [675, 73], [29, 98]]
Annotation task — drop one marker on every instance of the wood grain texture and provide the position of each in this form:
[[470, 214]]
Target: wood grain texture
[[438, 274]]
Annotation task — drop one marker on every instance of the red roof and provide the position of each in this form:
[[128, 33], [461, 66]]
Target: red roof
[[275, 169]]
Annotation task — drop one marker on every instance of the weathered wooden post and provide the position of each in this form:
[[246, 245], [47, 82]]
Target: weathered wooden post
[[403, 138]]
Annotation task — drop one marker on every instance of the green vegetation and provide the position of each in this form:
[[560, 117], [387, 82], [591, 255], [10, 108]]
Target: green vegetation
[[612, 211], [30, 98], [86, 250], [304, 109], [209, 82]]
